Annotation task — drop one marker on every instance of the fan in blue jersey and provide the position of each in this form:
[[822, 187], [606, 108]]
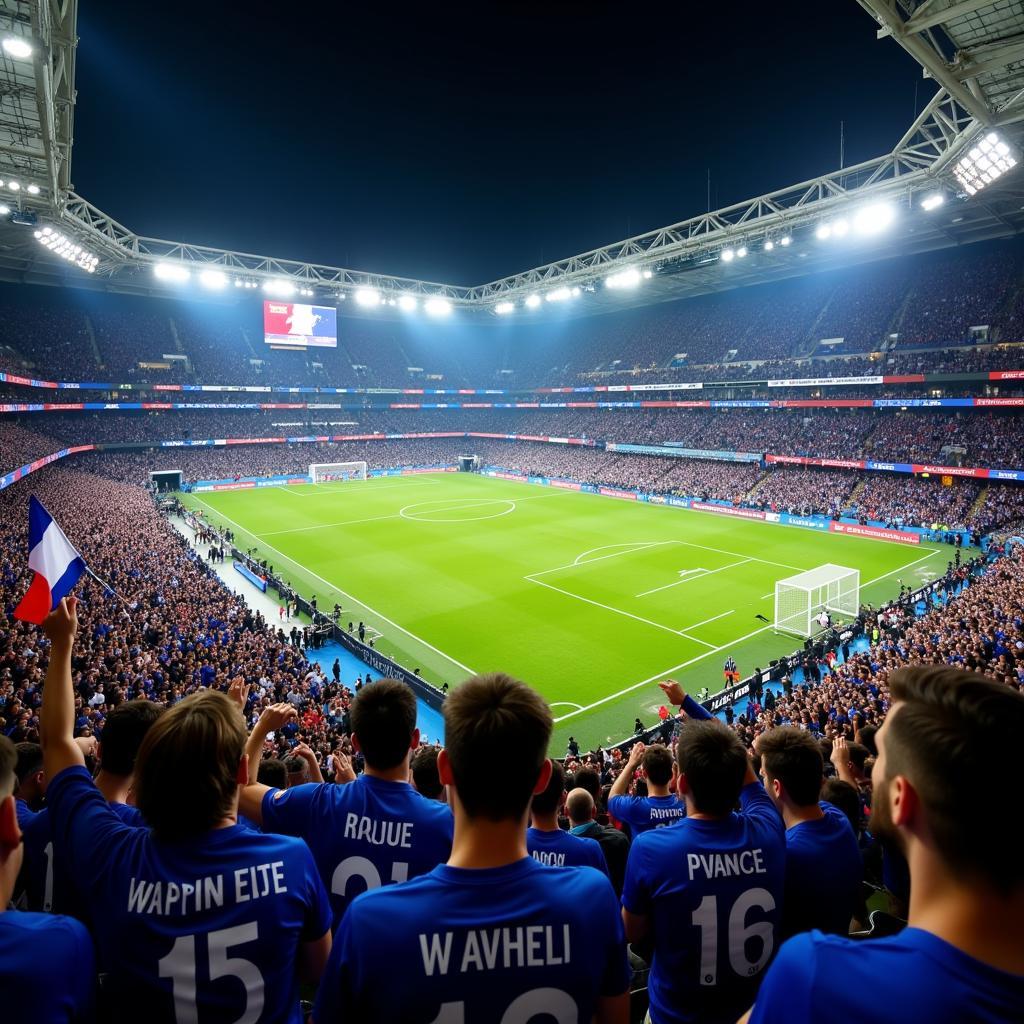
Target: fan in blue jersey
[[47, 964], [45, 877], [492, 935], [661, 806], [944, 783], [823, 863], [374, 830], [547, 843], [196, 917], [30, 781], [708, 891]]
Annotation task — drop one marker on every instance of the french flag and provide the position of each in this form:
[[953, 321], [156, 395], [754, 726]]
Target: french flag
[[56, 563]]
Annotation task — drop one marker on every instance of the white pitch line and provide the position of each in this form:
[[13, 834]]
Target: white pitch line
[[617, 611], [713, 618], [703, 573], [660, 675], [322, 526], [630, 548], [563, 703], [331, 587]]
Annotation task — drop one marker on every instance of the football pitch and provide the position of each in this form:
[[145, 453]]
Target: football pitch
[[590, 599]]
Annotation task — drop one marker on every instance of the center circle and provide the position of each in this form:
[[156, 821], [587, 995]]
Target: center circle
[[425, 512]]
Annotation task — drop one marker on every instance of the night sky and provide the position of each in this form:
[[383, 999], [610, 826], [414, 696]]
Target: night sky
[[462, 147]]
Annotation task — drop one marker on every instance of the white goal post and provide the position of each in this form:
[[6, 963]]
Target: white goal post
[[800, 599], [326, 472]]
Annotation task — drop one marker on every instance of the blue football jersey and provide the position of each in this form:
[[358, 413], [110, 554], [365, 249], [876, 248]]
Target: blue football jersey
[[462, 946], [206, 928], [824, 872], [643, 813], [560, 849], [47, 969], [713, 891], [365, 834], [912, 976]]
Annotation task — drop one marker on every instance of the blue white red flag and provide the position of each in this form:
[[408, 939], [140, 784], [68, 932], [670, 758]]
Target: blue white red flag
[[56, 563]]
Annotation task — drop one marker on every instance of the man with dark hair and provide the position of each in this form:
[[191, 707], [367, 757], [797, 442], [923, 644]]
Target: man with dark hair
[[424, 774], [708, 891], [273, 773], [823, 863], [492, 935], [582, 811], [944, 781], [661, 806], [547, 843], [47, 963], [195, 900], [375, 830], [29, 781], [45, 881]]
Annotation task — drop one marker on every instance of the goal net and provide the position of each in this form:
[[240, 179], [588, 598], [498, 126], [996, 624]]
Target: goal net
[[800, 599], [325, 472]]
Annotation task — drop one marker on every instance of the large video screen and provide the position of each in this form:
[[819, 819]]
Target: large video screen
[[299, 325]]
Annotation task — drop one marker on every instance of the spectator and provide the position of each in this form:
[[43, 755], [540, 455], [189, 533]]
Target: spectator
[[943, 779], [547, 843], [660, 806], [582, 812], [455, 929]]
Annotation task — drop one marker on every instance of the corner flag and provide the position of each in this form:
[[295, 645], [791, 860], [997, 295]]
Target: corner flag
[[56, 563]]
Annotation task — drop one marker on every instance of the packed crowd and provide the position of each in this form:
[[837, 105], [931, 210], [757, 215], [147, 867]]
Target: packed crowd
[[178, 680]]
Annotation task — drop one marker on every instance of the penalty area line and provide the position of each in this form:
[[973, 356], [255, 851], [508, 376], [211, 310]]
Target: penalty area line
[[337, 590]]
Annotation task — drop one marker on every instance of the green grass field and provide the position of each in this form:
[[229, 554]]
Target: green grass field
[[589, 599]]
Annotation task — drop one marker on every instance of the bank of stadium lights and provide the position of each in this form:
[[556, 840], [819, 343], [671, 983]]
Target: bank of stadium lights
[[504, 308], [407, 302], [563, 293], [367, 297], [18, 48], [869, 220], [988, 159], [437, 306], [532, 301], [61, 245], [628, 278], [730, 254], [174, 273], [932, 201], [279, 287], [241, 283], [4, 209], [213, 279]]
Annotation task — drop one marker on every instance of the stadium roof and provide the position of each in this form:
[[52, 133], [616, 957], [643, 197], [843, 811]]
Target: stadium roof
[[973, 50]]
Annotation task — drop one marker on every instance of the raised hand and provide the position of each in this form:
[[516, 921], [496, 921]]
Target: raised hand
[[674, 693]]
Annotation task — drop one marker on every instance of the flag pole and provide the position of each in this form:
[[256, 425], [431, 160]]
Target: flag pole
[[105, 584]]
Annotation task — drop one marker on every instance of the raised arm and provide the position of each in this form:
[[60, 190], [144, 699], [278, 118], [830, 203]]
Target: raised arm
[[250, 800], [676, 695], [621, 785], [57, 719], [312, 763], [840, 757]]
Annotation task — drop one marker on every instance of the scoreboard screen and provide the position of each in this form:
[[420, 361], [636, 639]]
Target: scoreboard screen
[[299, 325]]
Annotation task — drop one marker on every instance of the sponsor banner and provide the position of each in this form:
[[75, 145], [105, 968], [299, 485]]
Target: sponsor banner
[[727, 697], [817, 382], [875, 532], [904, 378], [952, 471], [256, 581], [807, 522], [502, 475], [832, 403], [1006, 474], [983, 403], [617, 492], [728, 510], [568, 485], [1006, 375], [677, 502], [417, 470], [923, 403], [889, 467], [804, 460], [675, 451], [741, 403]]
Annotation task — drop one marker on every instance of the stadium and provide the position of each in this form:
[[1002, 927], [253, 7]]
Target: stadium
[[739, 499]]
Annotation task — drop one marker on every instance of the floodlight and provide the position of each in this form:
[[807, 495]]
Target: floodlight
[[37, 234], [4, 210], [575, 292], [214, 279], [532, 301], [932, 201], [33, 190], [367, 297], [13, 186], [648, 274], [874, 218], [407, 302], [840, 228], [823, 231], [728, 255], [628, 278], [559, 294], [741, 252], [785, 240], [437, 306], [769, 245], [307, 292], [20, 49], [504, 308], [990, 159], [172, 272], [279, 287]]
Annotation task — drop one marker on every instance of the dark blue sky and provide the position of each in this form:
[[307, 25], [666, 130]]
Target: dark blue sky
[[465, 146]]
